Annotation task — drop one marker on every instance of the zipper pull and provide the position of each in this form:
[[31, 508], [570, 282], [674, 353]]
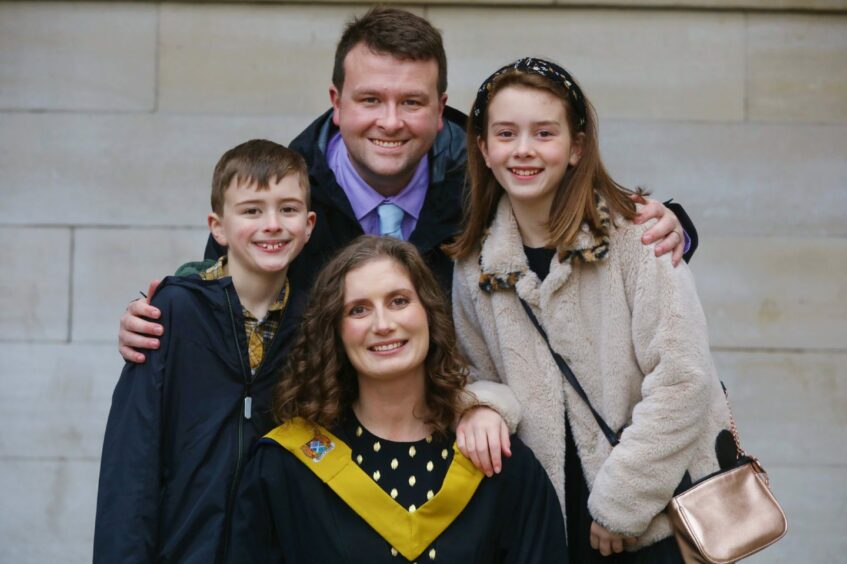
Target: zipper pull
[[248, 407]]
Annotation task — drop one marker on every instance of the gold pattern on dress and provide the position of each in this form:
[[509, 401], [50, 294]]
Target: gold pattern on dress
[[412, 451], [359, 431], [444, 454], [412, 508], [432, 554], [394, 464], [429, 466], [377, 446], [393, 493], [412, 480], [393, 551], [429, 438], [377, 475], [359, 459], [429, 494]]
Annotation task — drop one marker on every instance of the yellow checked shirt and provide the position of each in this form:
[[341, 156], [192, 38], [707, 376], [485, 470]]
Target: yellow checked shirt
[[260, 333]]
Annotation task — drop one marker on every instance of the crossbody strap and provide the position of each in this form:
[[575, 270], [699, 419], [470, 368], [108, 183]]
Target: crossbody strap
[[611, 436]]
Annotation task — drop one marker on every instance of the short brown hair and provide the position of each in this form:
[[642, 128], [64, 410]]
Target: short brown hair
[[319, 383], [574, 202], [259, 161], [394, 32]]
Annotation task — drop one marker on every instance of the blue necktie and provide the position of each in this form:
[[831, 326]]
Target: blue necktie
[[390, 220]]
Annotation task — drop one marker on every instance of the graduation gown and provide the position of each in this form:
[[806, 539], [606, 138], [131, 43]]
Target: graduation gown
[[302, 499]]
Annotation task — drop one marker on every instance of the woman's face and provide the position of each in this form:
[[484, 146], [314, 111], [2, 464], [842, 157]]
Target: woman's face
[[528, 144], [384, 325]]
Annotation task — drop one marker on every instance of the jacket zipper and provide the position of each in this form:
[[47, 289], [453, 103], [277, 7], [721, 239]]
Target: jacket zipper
[[234, 487], [246, 413]]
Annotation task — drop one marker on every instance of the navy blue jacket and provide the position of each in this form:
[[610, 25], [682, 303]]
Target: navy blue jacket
[[177, 436]]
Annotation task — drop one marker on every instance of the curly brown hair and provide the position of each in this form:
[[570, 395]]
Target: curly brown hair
[[318, 382]]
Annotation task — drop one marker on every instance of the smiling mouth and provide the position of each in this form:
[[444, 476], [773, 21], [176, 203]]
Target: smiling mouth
[[271, 245], [387, 347], [525, 171], [387, 144]]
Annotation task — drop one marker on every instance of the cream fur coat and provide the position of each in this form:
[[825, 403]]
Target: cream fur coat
[[632, 330]]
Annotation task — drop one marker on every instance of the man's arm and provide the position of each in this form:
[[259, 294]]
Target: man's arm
[[673, 228], [137, 330]]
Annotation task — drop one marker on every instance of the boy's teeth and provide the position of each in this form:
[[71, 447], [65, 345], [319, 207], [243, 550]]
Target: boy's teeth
[[383, 348], [270, 246], [379, 143]]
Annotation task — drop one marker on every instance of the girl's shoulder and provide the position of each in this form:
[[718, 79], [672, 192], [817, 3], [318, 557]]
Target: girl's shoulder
[[625, 238]]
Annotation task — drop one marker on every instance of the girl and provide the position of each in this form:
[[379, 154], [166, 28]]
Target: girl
[[364, 467], [546, 225]]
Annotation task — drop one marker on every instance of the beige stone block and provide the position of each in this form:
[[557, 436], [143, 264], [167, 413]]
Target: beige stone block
[[790, 407], [839, 5], [797, 68], [56, 399], [150, 169], [77, 56], [111, 266], [248, 58], [34, 283], [814, 500], [737, 179], [631, 64], [48, 510], [801, 547], [774, 293]]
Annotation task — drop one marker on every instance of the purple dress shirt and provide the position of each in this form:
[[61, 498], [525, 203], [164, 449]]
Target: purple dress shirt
[[365, 199]]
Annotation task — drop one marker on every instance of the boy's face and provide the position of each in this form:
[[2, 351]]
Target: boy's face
[[389, 112], [264, 229]]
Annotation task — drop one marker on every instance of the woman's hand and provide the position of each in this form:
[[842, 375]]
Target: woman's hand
[[607, 542], [482, 435], [667, 232]]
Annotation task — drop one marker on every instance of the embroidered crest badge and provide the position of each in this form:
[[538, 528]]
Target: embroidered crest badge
[[318, 447]]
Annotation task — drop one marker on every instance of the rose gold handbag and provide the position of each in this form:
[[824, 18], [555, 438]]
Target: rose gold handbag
[[729, 515]]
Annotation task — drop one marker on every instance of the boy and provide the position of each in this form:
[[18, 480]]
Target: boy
[[182, 423]]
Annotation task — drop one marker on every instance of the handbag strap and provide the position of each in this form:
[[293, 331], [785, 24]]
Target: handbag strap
[[740, 452], [611, 436]]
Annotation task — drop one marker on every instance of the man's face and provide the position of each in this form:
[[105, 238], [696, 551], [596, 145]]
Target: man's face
[[389, 113]]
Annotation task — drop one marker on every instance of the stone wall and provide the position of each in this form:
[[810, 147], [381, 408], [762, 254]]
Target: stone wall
[[113, 114]]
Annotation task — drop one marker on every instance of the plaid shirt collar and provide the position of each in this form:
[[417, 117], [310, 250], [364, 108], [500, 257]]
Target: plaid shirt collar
[[260, 333]]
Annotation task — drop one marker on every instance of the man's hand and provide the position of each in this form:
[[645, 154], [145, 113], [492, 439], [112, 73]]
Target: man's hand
[[136, 332], [481, 436], [607, 542], [667, 232]]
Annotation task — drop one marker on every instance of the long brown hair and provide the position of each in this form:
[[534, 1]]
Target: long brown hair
[[574, 203], [320, 385]]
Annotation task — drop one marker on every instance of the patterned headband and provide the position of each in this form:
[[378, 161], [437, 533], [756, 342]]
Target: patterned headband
[[548, 70]]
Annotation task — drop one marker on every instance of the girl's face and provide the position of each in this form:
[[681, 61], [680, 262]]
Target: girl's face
[[384, 328], [528, 145]]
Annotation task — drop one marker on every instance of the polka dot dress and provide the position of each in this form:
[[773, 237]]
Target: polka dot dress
[[411, 473]]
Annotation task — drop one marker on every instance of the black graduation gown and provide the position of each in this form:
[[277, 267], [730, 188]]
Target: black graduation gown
[[285, 512]]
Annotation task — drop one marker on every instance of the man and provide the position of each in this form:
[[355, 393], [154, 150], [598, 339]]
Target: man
[[389, 158]]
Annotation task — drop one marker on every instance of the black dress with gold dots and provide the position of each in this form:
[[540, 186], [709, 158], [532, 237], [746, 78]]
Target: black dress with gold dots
[[410, 472]]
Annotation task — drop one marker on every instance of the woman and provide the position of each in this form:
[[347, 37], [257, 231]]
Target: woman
[[549, 233], [364, 467]]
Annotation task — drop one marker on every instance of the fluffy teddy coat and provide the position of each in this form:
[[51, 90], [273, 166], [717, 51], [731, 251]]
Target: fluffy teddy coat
[[631, 328]]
